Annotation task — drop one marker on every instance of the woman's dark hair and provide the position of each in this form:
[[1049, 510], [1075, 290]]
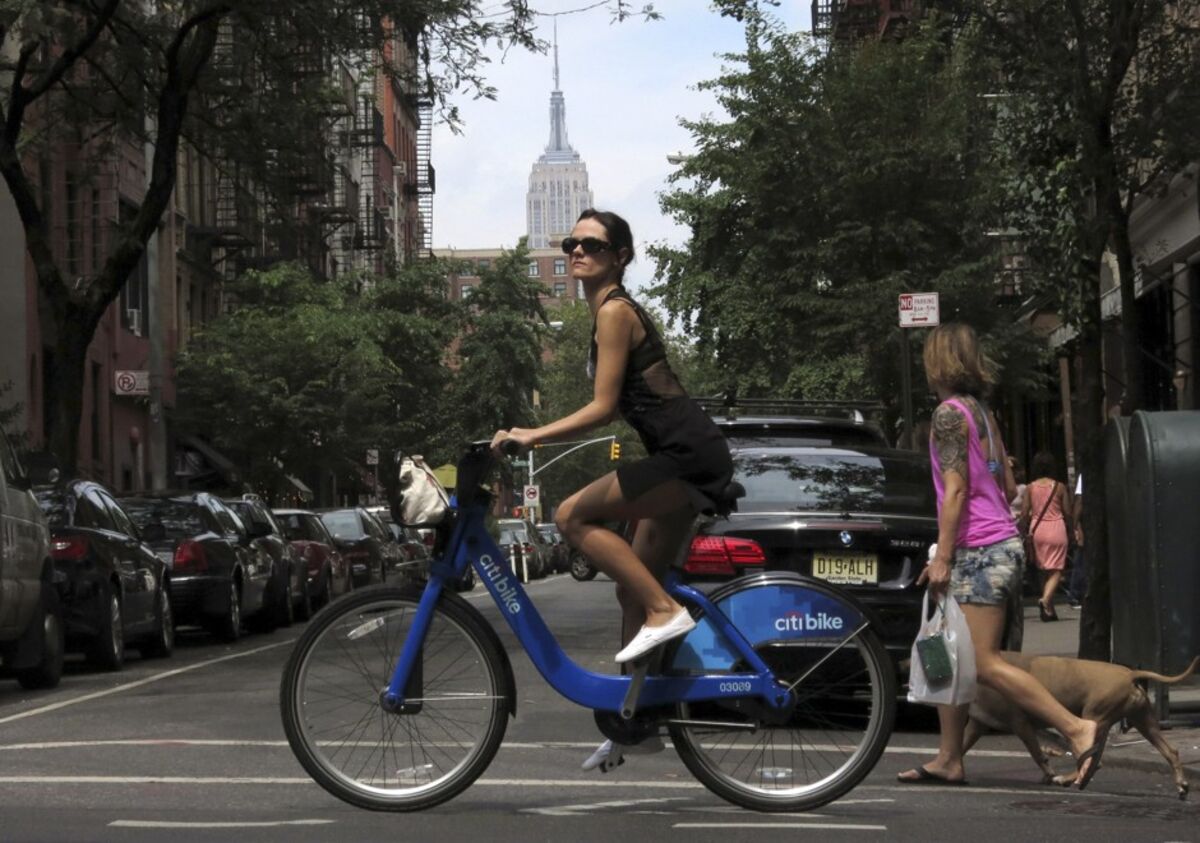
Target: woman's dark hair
[[1044, 465], [619, 233]]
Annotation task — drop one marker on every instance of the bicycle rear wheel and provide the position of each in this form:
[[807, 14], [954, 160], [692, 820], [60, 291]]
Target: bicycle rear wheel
[[846, 705], [366, 756]]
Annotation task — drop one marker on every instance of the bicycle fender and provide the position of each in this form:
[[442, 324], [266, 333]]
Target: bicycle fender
[[489, 632]]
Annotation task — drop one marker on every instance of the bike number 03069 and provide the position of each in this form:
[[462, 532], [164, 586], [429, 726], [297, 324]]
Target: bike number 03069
[[735, 687]]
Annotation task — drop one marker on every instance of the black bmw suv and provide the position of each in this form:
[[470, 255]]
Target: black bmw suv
[[827, 498]]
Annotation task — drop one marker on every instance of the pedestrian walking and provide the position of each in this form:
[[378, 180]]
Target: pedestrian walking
[[979, 553], [1046, 504]]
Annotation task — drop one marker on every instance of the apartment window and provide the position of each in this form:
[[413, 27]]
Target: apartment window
[[465, 290], [560, 289], [484, 264], [534, 272], [134, 313], [560, 266]]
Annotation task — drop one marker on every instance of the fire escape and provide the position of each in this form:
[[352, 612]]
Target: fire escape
[[856, 20], [426, 182]]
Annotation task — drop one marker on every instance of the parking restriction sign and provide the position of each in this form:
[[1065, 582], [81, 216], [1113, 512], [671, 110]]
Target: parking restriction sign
[[919, 310], [533, 495]]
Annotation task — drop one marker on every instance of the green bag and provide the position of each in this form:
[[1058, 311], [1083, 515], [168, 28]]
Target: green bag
[[935, 659]]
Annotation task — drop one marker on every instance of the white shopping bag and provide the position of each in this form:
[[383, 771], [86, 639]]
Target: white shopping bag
[[948, 622], [424, 500]]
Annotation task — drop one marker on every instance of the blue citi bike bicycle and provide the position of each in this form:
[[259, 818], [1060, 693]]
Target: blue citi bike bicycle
[[397, 698]]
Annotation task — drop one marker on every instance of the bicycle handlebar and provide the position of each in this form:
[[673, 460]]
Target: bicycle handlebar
[[510, 447]]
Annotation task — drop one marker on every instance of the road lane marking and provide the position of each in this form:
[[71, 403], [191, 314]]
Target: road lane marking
[[182, 824], [821, 826], [576, 810], [157, 677]]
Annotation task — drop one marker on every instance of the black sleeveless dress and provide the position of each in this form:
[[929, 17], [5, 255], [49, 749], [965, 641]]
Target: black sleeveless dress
[[681, 440]]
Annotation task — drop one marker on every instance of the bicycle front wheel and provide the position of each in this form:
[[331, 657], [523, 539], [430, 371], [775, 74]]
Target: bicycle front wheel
[[845, 689], [395, 762]]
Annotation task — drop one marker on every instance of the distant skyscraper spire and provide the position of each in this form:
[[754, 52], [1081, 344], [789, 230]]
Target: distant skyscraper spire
[[558, 184]]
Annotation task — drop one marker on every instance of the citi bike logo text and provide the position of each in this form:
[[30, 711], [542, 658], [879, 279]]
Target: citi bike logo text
[[504, 588], [799, 622]]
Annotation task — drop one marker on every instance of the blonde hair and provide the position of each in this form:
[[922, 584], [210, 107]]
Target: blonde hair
[[954, 361]]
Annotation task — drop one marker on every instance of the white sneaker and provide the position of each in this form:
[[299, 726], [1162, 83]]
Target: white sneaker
[[609, 755], [649, 637]]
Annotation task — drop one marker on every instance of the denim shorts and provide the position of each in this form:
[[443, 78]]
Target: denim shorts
[[989, 575]]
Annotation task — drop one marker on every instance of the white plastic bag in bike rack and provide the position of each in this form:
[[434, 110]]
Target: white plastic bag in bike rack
[[948, 620], [424, 500]]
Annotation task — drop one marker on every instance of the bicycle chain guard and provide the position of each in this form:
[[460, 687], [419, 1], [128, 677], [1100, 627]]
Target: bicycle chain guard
[[617, 729]]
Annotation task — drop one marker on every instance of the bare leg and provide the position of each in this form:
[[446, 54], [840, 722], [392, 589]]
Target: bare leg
[[656, 542], [579, 517], [1021, 688], [1050, 580], [948, 764]]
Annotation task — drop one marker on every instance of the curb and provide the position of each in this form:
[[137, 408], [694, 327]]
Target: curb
[[1191, 770]]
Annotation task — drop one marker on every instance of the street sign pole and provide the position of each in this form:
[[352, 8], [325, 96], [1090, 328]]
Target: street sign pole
[[906, 388]]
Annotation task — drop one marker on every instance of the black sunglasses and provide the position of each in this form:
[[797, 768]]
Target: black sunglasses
[[591, 245]]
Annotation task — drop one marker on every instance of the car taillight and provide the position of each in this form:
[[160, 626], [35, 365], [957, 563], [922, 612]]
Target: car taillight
[[190, 558], [69, 549], [718, 555], [527, 547], [354, 555]]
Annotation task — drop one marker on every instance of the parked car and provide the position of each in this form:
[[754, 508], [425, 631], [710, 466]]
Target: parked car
[[364, 542], [217, 577], [114, 588], [859, 515], [528, 553], [32, 637], [290, 596], [560, 551], [329, 574]]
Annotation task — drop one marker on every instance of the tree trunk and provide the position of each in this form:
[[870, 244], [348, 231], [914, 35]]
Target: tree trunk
[[1095, 625], [1133, 397], [66, 371]]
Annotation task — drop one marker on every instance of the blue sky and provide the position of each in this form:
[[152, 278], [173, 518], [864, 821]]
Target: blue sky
[[626, 86]]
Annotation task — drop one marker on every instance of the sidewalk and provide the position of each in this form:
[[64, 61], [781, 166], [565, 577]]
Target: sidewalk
[[1130, 750]]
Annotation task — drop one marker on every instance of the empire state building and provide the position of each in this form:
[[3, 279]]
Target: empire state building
[[558, 183]]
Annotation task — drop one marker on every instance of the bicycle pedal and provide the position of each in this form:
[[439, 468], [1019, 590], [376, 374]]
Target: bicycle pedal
[[610, 764]]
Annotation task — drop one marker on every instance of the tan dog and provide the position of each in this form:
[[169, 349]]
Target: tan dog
[[1092, 690]]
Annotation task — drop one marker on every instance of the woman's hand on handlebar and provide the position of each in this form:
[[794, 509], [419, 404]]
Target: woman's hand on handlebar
[[523, 438]]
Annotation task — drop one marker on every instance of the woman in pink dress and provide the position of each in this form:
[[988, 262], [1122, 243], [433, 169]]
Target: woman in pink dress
[[1048, 517]]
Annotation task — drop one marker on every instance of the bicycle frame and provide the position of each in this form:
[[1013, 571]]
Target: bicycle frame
[[470, 544]]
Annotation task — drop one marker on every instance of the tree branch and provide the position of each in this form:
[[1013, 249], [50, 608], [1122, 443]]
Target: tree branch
[[70, 55]]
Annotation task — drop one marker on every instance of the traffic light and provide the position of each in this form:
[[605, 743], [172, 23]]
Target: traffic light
[[614, 450]]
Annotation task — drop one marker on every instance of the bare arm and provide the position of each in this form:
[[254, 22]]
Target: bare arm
[[950, 441], [614, 331]]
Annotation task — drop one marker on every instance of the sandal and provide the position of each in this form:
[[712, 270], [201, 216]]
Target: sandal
[[1095, 753], [925, 777], [1044, 613]]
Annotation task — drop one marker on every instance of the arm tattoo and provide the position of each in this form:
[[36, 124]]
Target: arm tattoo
[[950, 439]]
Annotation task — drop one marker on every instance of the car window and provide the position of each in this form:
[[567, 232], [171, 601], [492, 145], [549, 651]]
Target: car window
[[226, 518], [832, 481], [294, 527], [56, 505], [343, 524], [120, 520], [850, 438], [179, 519], [317, 529], [250, 513], [374, 528], [13, 475], [91, 511]]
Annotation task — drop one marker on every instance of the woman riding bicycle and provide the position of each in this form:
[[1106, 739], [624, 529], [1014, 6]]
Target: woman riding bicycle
[[688, 464]]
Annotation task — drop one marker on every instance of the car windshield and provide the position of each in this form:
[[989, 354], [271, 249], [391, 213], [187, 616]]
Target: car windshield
[[180, 519], [55, 504], [344, 525], [513, 534], [833, 481]]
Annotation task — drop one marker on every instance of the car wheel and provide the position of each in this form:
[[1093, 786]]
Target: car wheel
[[581, 569], [162, 644], [228, 627], [304, 606], [48, 672], [107, 650]]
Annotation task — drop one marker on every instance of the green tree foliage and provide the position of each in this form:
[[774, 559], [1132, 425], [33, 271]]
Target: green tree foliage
[[838, 181], [500, 353], [93, 81]]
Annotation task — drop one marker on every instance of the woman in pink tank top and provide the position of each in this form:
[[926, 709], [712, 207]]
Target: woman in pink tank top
[[979, 556]]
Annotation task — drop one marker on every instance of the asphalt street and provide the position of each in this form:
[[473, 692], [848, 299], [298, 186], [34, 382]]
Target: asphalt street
[[192, 748]]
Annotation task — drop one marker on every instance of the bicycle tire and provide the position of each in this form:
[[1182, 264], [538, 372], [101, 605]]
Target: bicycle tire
[[832, 740], [463, 669]]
